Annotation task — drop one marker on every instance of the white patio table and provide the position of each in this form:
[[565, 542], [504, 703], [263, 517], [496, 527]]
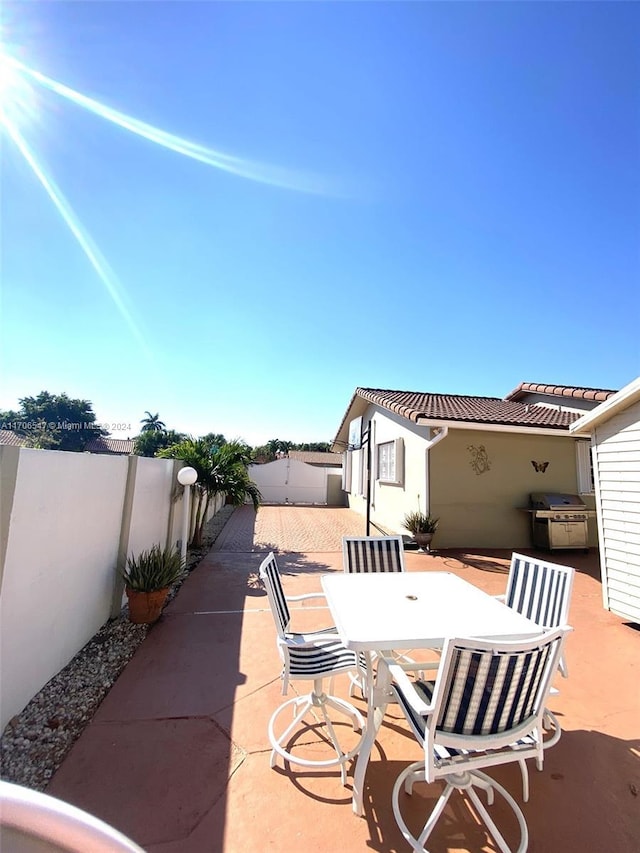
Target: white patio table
[[409, 610]]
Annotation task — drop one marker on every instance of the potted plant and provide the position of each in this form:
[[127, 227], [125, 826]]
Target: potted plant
[[422, 527], [148, 578]]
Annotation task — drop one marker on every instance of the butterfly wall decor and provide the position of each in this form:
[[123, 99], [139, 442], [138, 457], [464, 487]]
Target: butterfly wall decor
[[540, 467]]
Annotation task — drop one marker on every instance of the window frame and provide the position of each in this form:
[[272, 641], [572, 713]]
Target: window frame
[[394, 465]]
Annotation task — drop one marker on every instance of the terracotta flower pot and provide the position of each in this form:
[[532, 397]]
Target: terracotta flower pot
[[423, 540], [146, 607]]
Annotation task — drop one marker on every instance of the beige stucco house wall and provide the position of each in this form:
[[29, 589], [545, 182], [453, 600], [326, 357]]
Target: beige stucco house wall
[[479, 508]]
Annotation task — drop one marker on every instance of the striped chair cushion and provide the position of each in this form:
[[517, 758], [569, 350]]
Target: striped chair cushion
[[373, 555], [539, 590], [443, 754], [281, 608], [484, 692], [326, 657]]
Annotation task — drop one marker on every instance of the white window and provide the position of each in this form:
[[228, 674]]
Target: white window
[[584, 465], [389, 462]]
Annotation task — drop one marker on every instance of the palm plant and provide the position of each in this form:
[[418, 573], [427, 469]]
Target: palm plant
[[221, 470], [152, 423]]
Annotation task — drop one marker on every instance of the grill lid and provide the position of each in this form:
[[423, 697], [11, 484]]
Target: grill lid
[[544, 500]]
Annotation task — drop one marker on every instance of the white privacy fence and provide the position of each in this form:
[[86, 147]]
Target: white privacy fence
[[67, 521]]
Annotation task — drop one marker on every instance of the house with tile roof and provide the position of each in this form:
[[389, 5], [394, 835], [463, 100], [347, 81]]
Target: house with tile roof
[[12, 439], [471, 461], [316, 457], [113, 446]]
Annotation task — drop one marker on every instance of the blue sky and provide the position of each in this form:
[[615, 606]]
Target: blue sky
[[467, 214]]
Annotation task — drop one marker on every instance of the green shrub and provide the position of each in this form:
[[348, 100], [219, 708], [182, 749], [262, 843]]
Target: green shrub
[[418, 522], [154, 569]]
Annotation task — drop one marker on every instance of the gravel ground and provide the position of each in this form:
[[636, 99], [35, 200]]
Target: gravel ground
[[35, 742]]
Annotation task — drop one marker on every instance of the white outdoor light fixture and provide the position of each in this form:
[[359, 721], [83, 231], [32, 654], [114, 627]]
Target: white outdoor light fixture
[[186, 477]]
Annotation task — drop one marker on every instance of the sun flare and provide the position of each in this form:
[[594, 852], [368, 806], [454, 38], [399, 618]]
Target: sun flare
[[17, 95], [20, 88]]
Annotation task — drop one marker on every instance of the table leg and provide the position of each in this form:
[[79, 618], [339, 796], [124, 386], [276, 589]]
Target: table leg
[[377, 701]]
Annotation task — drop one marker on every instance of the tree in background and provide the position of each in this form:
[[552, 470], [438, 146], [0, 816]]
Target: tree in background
[[150, 443], [222, 469], [152, 423], [268, 452], [230, 475], [214, 439], [53, 422], [276, 445]]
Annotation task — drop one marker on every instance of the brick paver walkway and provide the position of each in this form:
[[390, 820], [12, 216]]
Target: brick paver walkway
[[289, 528]]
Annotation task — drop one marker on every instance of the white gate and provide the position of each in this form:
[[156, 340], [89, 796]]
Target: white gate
[[288, 481]]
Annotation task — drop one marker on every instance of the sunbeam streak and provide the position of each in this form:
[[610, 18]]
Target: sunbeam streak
[[98, 262], [273, 175]]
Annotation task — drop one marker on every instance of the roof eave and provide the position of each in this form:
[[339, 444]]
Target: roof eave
[[561, 429], [339, 443], [624, 397]]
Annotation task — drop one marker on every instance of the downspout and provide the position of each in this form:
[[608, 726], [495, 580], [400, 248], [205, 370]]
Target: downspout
[[442, 432]]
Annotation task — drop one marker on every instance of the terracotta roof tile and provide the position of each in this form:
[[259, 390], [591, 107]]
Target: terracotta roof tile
[[524, 388], [314, 457], [122, 446], [96, 445], [419, 406], [12, 438]]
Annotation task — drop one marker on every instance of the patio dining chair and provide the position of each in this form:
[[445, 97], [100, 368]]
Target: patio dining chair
[[365, 555], [372, 554], [484, 708], [312, 657], [541, 591]]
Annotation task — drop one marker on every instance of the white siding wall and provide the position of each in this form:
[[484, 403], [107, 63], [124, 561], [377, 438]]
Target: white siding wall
[[617, 473]]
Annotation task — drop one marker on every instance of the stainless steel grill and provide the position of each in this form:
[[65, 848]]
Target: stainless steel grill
[[559, 521]]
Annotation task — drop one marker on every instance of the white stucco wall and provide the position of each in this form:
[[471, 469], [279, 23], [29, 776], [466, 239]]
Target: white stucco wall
[[59, 566], [151, 504], [61, 516], [389, 502]]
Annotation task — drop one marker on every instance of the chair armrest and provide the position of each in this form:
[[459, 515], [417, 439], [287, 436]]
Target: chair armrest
[[305, 596], [405, 686], [311, 639], [414, 665]]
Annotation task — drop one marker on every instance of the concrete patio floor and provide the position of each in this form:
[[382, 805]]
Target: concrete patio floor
[[177, 755]]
